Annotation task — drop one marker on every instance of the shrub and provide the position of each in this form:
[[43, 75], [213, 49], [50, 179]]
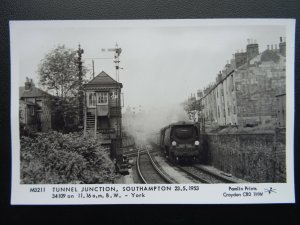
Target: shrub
[[56, 158]]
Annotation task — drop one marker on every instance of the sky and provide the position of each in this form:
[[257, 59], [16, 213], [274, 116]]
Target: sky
[[163, 61]]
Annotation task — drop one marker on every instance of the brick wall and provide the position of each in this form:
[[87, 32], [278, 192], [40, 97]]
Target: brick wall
[[253, 157]]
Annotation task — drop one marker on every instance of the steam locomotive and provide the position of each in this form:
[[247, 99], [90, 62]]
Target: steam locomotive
[[181, 142]]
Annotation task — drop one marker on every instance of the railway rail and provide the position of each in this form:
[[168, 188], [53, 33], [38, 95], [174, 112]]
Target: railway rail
[[204, 176], [135, 153], [149, 172]]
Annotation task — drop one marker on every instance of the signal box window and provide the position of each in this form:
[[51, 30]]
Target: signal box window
[[92, 100], [114, 95], [102, 98]]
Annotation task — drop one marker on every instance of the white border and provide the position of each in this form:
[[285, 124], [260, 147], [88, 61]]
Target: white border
[[207, 193]]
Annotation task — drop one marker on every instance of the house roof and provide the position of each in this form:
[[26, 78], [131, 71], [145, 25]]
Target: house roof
[[26, 103], [33, 92], [102, 79]]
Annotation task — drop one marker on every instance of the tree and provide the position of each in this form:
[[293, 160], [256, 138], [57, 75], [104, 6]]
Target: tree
[[58, 71], [192, 108]]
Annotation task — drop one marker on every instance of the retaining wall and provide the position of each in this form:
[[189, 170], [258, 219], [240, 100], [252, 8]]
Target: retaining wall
[[253, 157]]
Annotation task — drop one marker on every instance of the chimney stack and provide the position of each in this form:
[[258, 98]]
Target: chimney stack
[[28, 84], [282, 46], [252, 50], [240, 58]]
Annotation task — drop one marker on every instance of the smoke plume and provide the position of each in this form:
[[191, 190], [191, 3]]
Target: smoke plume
[[144, 125]]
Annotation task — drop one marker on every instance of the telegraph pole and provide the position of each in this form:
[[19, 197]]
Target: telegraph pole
[[80, 90]]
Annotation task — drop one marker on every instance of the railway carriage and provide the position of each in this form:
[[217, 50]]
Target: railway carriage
[[181, 142]]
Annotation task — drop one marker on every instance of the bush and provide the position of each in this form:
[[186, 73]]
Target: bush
[[55, 158]]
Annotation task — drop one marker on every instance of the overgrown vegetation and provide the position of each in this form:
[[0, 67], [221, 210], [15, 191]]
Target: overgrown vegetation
[[55, 158], [259, 129]]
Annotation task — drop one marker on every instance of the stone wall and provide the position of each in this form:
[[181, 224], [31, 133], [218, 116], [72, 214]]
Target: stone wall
[[256, 90], [253, 157]]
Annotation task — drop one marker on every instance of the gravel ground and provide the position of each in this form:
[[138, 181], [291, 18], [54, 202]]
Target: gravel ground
[[221, 173], [135, 176], [207, 178], [173, 172], [128, 179], [148, 171]]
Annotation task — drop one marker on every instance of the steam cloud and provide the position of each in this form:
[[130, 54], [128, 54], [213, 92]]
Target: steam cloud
[[144, 126]]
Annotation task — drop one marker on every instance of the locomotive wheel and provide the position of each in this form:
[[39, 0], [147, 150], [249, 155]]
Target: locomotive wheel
[[166, 153], [194, 159]]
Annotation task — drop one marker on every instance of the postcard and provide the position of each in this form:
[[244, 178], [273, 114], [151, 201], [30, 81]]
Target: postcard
[[183, 111]]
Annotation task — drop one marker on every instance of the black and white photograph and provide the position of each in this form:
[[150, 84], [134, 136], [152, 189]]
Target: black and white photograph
[[152, 111]]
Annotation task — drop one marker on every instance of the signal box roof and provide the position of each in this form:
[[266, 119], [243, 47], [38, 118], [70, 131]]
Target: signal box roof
[[102, 80]]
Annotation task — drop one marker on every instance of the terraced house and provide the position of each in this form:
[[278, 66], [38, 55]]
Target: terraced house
[[250, 90]]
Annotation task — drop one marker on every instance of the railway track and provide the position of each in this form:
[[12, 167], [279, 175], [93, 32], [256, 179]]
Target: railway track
[[135, 153], [204, 176], [149, 172]]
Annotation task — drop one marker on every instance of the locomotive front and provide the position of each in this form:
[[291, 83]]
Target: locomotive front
[[181, 142]]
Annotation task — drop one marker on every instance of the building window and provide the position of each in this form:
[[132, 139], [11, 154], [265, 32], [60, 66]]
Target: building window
[[102, 98], [113, 95], [234, 110], [226, 84], [39, 104], [31, 110], [92, 100], [218, 112]]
